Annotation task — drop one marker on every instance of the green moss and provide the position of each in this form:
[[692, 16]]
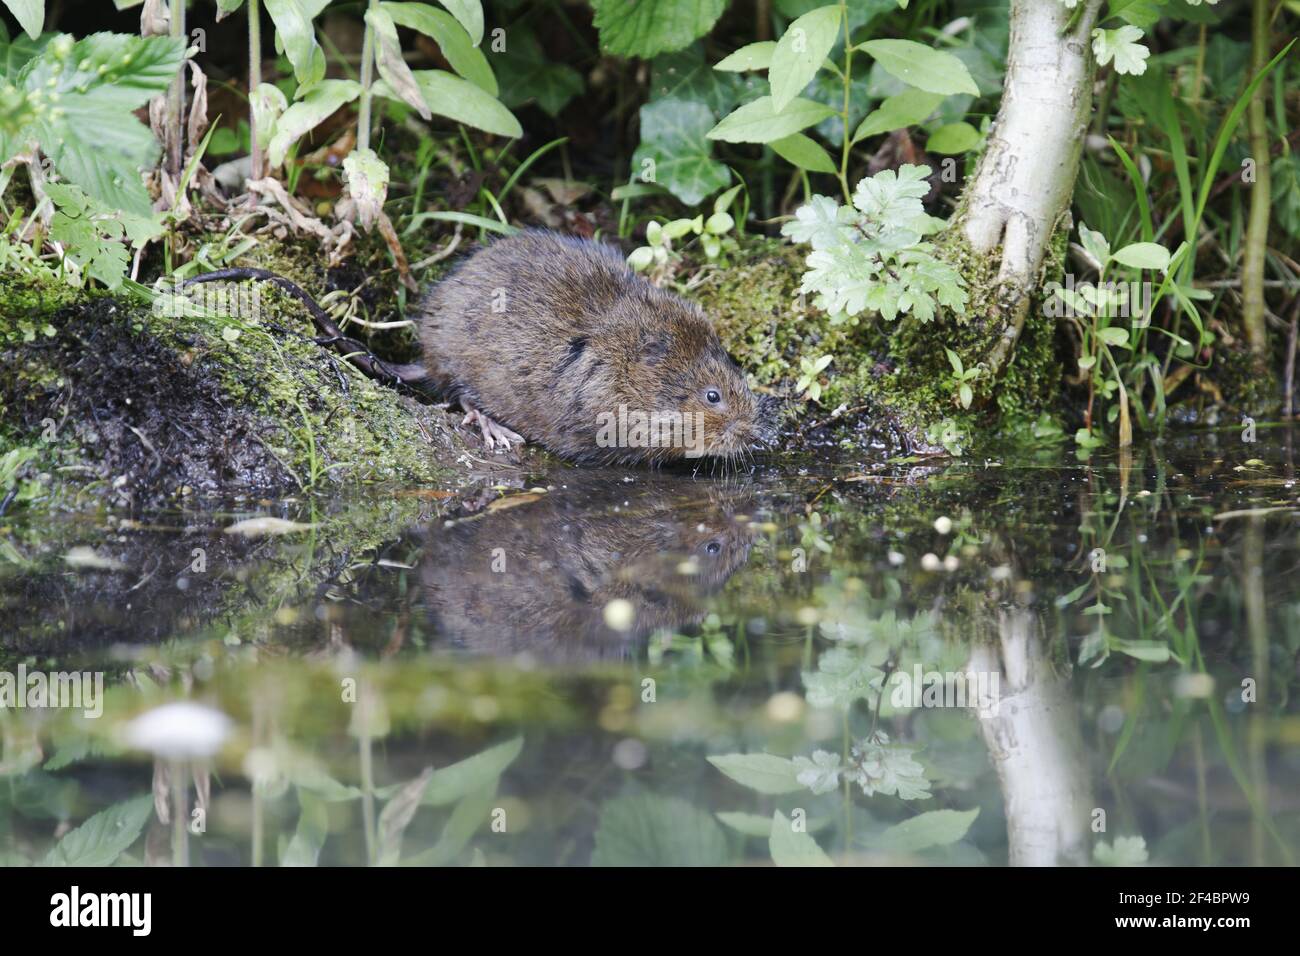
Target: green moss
[[150, 407], [899, 371]]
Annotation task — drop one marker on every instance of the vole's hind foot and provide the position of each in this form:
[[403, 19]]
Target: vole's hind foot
[[494, 433]]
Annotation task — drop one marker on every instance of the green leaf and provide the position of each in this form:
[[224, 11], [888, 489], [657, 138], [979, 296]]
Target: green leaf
[[303, 848], [686, 75], [909, 108], [645, 28], [461, 52], [1114, 336], [674, 135], [755, 56], [30, 15], [88, 131], [15, 54], [933, 828], [953, 138], [448, 95], [390, 61], [1143, 255], [793, 848], [759, 122], [295, 33], [366, 176], [919, 66], [650, 830], [104, 837], [804, 153], [469, 13], [1155, 651], [396, 817], [307, 113], [469, 814], [765, 773], [800, 52], [526, 74], [472, 774], [750, 824]]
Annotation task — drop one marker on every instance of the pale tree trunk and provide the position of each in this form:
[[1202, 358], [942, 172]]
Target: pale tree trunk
[[1034, 743], [1024, 181]]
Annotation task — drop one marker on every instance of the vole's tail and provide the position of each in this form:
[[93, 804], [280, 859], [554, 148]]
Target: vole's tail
[[414, 375]]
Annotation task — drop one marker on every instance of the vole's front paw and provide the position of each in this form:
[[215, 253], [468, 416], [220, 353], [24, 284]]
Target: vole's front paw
[[494, 434]]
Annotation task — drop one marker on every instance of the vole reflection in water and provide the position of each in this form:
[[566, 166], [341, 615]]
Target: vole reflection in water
[[537, 578]]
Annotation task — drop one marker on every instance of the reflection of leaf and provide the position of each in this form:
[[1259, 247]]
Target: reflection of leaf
[[646, 27], [673, 136], [472, 774], [790, 847], [765, 773], [469, 814], [935, 828], [303, 848], [104, 837], [397, 815], [650, 830]]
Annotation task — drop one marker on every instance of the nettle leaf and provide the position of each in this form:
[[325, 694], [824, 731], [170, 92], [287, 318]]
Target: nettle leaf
[[760, 122], [82, 116], [526, 74], [1121, 45], [295, 35], [456, 45], [765, 773], [307, 113], [450, 96], [921, 67], [646, 28], [755, 56], [791, 847], [104, 837], [674, 135], [392, 65], [909, 108], [649, 830], [800, 52], [30, 15], [803, 152], [893, 197]]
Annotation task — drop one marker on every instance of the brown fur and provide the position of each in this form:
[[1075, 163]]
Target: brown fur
[[544, 332], [536, 578]]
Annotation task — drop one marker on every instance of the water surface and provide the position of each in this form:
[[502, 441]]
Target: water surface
[[634, 667]]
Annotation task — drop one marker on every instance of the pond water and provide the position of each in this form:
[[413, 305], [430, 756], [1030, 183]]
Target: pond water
[[1081, 661]]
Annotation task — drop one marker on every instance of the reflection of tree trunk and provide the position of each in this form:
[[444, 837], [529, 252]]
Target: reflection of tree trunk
[[1252, 590], [1034, 743], [1026, 176]]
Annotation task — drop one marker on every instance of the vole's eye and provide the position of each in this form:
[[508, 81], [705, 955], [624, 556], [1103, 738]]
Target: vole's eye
[[713, 547], [713, 396]]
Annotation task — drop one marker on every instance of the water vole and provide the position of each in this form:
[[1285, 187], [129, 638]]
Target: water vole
[[556, 340]]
